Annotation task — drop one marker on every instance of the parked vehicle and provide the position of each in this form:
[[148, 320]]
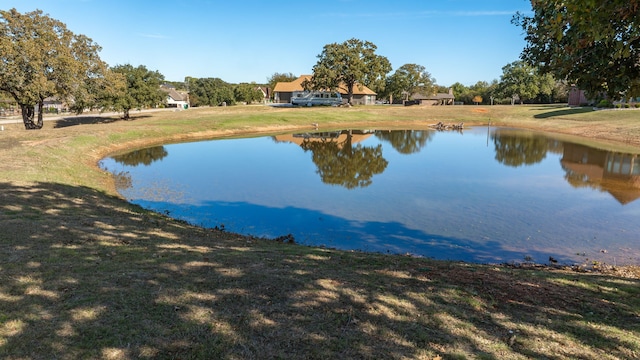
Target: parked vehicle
[[318, 98]]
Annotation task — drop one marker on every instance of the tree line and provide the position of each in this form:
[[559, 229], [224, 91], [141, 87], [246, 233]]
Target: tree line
[[594, 45]]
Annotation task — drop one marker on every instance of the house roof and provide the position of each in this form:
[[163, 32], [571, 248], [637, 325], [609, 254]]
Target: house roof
[[438, 96], [171, 91], [296, 85]]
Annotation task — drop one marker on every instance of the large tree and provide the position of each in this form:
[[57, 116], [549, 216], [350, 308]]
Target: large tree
[[210, 92], [521, 81], [142, 89], [408, 80], [280, 77], [593, 43], [351, 63], [40, 57], [247, 93]]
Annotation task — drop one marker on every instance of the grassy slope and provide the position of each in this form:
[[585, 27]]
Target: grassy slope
[[91, 276]]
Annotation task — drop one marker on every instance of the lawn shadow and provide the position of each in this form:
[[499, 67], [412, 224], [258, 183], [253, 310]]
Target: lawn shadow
[[564, 112], [91, 276], [92, 120]]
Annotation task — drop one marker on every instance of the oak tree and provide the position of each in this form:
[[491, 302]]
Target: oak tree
[[592, 43], [280, 77], [142, 89], [40, 57], [408, 80], [524, 82], [248, 93], [351, 63], [210, 92]]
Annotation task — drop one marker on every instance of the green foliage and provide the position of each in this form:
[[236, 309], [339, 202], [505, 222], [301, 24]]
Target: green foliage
[[522, 82], [178, 85], [595, 44], [408, 80], [142, 88], [210, 92], [280, 77], [247, 93], [40, 57], [605, 104], [349, 63], [484, 90]]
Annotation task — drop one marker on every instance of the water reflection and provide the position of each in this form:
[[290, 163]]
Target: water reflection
[[339, 157], [527, 196], [142, 156], [406, 141], [518, 149], [613, 172], [134, 158]]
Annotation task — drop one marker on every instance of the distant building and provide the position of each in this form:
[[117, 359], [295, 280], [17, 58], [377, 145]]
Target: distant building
[[266, 93], [175, 99], [52, 105], [436, 99], [577, 97], [283, 92]]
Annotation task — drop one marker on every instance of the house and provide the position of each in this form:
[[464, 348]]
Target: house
[[52, 105], [266, 93], [436, 99], [283, 92], [577, 97], [174, 98]]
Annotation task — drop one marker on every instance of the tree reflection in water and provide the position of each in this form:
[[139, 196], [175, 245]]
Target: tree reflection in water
[[406, 141], [516, 150], [142, 156], [145, 157], [339, 162]]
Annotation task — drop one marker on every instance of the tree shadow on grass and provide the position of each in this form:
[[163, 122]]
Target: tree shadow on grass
[[92, 120], [564, 112], [86, 275]]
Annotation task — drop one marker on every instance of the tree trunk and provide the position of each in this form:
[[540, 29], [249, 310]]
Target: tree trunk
[[28, 114], [40, 112], [350, 93], [126, 114]]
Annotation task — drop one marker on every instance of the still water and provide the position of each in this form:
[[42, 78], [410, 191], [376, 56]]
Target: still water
[[482, 195]]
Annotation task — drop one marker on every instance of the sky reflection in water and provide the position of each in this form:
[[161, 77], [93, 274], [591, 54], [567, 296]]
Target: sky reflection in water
[[499, 196]]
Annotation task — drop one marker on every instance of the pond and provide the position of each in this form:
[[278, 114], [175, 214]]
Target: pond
[[489, 195]]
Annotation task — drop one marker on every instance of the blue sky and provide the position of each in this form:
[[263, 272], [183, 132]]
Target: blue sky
[[462, 41]]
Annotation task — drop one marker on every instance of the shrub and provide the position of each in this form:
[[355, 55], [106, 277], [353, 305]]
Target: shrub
[[604, 104], [637, 105]]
